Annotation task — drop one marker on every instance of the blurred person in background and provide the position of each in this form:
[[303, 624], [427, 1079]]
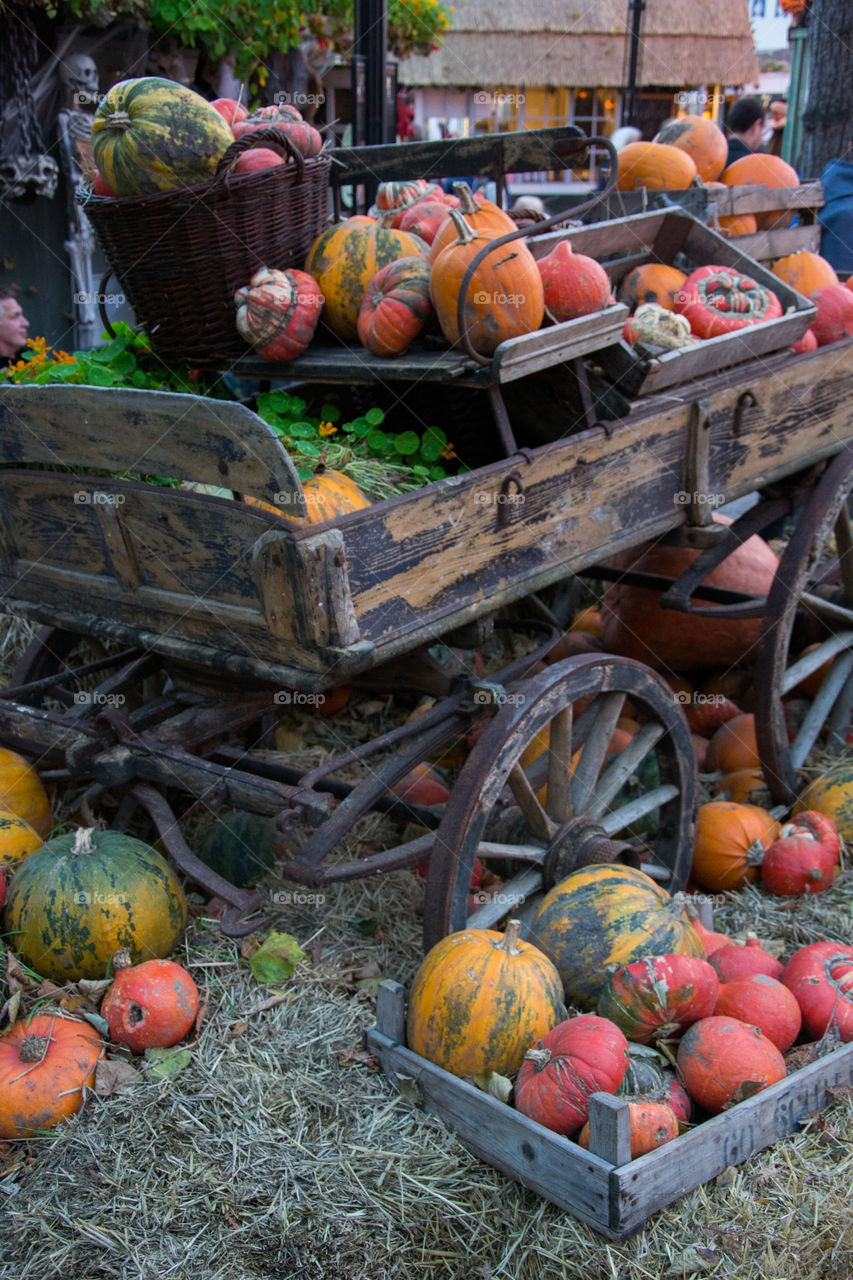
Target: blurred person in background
[[745, 123], [13, 327]]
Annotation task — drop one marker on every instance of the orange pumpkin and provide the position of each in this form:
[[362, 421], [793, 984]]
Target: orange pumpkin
[[482, 215], [480, 999], [327, 495], [22, 793], [805, 271], [734, 745], [652, 282], [741, 785], [344, 260], [46, 1062], [635, 626], [653, 166], [760, 170], [722, 1061], [651, 1125], [703, 140], [730, 843], [738, 224], [505, 294], [17, 841], [763, 1002]]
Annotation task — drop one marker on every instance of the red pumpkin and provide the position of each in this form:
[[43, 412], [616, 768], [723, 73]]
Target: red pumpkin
[[635, 626], [396, 307], [808, 342], [100, 186], [719, 300], [722, 1061], [821, 977], [304, 137], [834, 319], [651, 1125], [711, 941], [279, 111], [804, 857], [705, 714], [581, 1056], [230, 110], [656, 997], [574, 284], [423, 218], [256, 159], [763, 1002], [736, 961], [150, 1005], [278, 311]]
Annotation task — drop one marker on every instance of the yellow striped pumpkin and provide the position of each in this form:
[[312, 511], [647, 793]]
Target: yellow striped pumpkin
[[344, 260], [22, 793], [152, 134], [480, 999], [17, 841], [602, 917]]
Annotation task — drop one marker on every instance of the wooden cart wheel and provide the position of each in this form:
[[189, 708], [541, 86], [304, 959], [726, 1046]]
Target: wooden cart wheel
[[539, 792], [809, 603]]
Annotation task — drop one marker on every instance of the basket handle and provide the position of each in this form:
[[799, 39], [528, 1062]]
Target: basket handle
[[273, 137], [102, 306]]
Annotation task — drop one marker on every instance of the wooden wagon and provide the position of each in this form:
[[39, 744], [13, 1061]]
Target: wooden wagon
[[217, 612]]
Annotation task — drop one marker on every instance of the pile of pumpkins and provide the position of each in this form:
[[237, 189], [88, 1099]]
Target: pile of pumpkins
[[82, 906], [638, 971]]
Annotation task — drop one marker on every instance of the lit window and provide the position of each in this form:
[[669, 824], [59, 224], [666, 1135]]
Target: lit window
[[758, 8]]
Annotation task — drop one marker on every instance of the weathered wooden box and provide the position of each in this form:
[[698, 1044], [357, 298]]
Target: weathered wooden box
[[602, 1187], [677, 239]]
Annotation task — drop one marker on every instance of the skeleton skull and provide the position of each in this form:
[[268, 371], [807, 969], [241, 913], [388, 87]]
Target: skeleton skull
[[79, 77], [23, 177]]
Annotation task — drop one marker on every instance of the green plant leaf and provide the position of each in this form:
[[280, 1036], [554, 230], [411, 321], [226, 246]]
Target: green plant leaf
[[407, 443], [162, 1063], [302, 430], [375, 416], [276, 958], [329, 412]]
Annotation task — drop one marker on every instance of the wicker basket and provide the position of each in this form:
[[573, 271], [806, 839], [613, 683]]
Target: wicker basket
[[179, 256]]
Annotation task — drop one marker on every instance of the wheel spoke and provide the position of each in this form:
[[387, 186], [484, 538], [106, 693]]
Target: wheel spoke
[[810, 662], [525, 797], [557, 804], [595, 749], [523, 852], [513, 893], [835, 680], [621, 818], [844, 544], [622, 767], [818, 605]]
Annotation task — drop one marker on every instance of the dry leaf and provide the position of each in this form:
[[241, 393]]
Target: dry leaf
[[17, 977], [94, 988], [369, 970], [237, 1029], [114, 1075], [10, 1008], [355, 1053]]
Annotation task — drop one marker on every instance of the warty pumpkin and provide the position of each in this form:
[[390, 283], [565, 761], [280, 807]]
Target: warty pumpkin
[[344, 260], [278, 311], [482, 215], [657, 997], [730, 843], [83, 895], [602, 917], [722, 1061], [22, 793], [654, 166], [719, 300], [505, 295], [479, 1000], [578, 1057], [702, 140], [151, 134], [396, 307], [46, 1062]]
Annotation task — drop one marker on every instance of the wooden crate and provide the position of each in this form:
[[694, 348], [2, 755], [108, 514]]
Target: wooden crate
[[673, 237], [602, 1187], [766, 246]]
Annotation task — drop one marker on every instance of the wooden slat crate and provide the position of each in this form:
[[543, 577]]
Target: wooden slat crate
[[766, 246], [603, 1187], [675, 238]]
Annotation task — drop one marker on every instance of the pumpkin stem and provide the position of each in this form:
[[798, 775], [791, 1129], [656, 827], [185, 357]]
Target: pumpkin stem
[[755, 853], [122, 959], [467, 203], [82, 841], [33, 1048], [539, 1057], [465, 232], [751, 939], [118, 120], [509, 942]]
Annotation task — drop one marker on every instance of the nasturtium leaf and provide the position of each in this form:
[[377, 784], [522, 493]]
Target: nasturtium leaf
[[276, 958]]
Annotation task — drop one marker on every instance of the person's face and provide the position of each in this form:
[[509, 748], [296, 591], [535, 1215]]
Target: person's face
[[754, 134], [13, 327]]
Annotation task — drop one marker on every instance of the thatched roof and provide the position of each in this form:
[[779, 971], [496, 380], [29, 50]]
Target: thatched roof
[[558, 42]]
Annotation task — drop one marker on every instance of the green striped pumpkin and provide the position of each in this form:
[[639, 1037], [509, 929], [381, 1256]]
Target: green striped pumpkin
[[344, 260], [83, 895], [602, 917], [152, 135]]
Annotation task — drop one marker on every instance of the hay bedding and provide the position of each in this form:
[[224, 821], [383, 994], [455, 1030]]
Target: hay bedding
[[280, 1151]]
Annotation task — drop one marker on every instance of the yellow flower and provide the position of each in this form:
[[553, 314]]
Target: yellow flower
[[327, 429]]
